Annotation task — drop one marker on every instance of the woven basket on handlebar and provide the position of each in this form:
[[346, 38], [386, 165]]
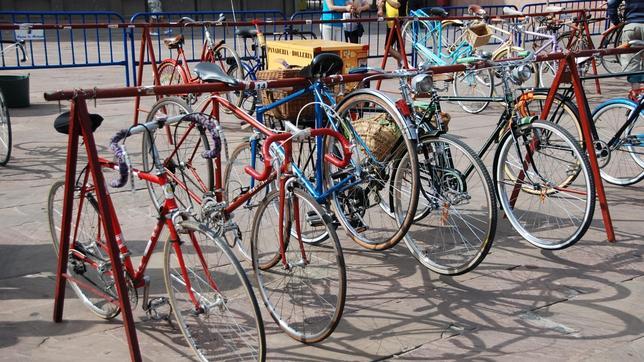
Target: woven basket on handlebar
[[379, 133], [478, 34], [288, 110]]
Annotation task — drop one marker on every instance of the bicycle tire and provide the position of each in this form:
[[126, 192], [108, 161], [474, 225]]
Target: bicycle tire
[[228, 60], [5, 132], [625, 165], [359, 208], [611, 63], [547, 229], [237, 182], [459, 210], [85, 225], [279, 295], [171, 73], [412, 35], [231, 325], [197, 176]]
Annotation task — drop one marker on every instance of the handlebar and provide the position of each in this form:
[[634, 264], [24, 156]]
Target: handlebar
[[188, 20], [524, 57], [201, 119], [268, 168]]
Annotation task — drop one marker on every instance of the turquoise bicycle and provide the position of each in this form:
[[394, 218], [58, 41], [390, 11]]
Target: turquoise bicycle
[[430, 44]]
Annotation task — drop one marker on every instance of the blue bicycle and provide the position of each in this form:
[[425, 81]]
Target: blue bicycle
[[430, 45], [375, 197]]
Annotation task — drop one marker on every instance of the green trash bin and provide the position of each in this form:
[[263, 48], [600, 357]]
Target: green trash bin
[[15, 89]]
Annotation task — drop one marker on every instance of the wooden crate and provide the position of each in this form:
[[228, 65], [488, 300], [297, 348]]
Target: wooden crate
[[302, 52]]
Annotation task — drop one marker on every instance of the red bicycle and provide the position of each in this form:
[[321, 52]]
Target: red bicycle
[[208, 290], [176, 70]]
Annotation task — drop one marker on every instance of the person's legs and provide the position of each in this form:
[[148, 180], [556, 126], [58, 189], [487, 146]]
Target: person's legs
[[633, 62], [326, 31], [337, 33]]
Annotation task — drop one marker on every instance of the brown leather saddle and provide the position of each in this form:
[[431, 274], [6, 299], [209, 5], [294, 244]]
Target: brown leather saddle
[[175, 42]]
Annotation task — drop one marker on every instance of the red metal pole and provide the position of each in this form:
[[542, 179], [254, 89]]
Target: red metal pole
[[139, 77], [94, 168], [385, 56], [68, 203], [585, 118]]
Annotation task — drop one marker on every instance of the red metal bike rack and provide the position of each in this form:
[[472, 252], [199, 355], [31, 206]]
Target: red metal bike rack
[[79, 125]]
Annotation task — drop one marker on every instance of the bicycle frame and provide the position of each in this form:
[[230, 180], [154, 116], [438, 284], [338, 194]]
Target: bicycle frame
[[321, 95], [168, 212]]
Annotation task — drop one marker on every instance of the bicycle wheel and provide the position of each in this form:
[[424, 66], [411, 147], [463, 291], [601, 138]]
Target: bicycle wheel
[[625, 162], [218, 315], [550, 216], [180, 147], [612, 63], [418, 34], [86, 239], [5, 132], [563, 111], [474, 83], [457, 207], [306, 299], [228, 60], [170, 73], [363, 206], [237, 182]]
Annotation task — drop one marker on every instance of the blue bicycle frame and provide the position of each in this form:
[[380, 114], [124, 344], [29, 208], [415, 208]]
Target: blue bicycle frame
[[321, 96], [436, 55]]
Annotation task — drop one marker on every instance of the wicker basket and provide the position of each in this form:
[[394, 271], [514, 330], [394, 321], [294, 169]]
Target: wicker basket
[[288, 110], [478, 34], [378, 132]]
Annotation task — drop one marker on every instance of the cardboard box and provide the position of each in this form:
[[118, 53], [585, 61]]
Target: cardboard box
[[301, 52]]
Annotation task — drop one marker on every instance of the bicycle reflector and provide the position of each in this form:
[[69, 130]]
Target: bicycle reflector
[[520, 74], [422, 83], [403, 107]]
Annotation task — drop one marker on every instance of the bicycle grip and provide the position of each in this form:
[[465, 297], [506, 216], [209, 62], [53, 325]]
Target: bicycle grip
[[266, 151], [121, 159], [346, 147], [467, 60]]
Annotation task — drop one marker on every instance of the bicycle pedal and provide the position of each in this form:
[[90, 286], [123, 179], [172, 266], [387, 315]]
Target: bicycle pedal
[[313, 219], [358, 225], [155, 309]]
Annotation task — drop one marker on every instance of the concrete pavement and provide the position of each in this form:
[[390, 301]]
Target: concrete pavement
[[582, 303]]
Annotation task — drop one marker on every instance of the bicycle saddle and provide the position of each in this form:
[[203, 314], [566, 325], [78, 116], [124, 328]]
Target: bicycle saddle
[[438, 12], [323, 65], [61, 123], [476, 10], [509, 11], [174, 42], [553, 9], [246, 33], [210, 72]]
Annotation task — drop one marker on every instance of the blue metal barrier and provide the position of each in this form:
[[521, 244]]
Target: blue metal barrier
[[66, 47], [595, 27], [195, 35]]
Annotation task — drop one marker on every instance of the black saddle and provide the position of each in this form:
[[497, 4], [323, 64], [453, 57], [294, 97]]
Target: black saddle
[[61, 124], [210, 72], [246, 33], [323, 65], [436, 11]]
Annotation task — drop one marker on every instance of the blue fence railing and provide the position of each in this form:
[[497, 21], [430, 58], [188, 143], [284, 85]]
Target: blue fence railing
[[195, 35], [66, 47]]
